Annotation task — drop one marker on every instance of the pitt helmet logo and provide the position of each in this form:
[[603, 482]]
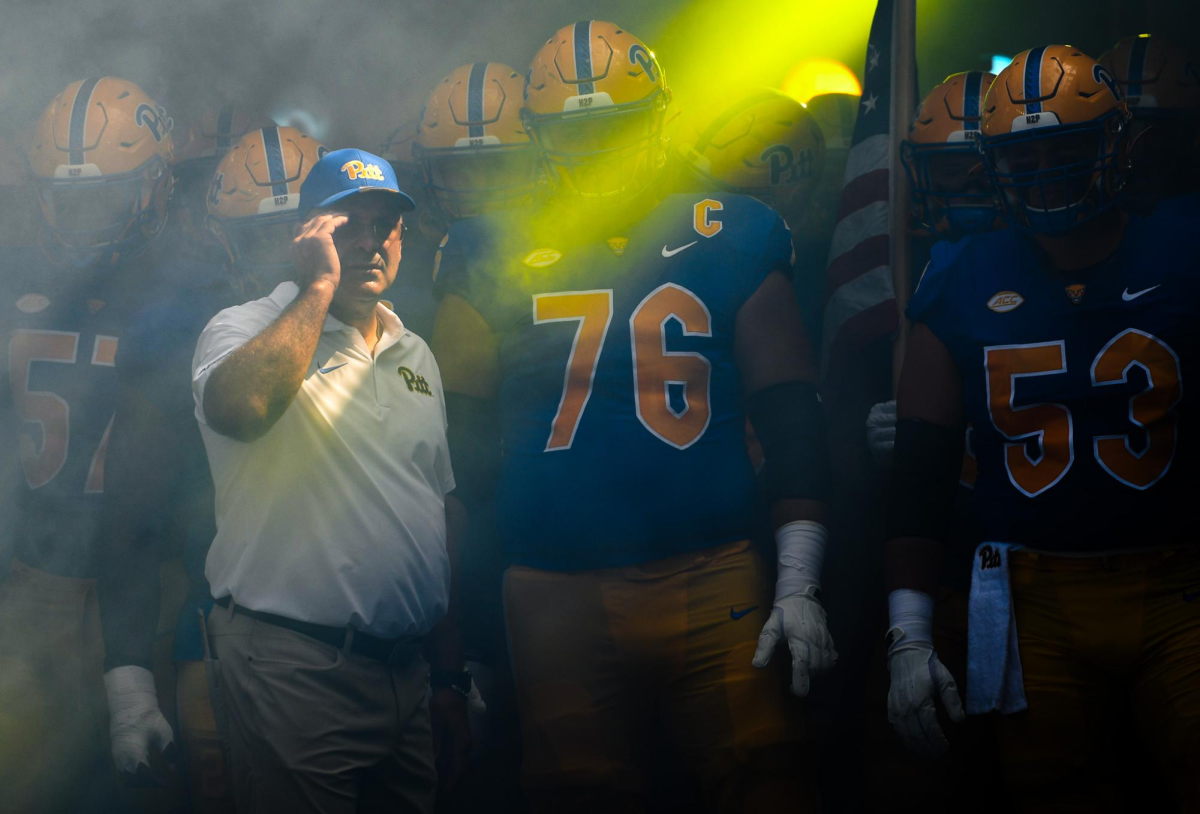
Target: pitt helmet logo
[[1075, 293], [638, 55], [1101, 75], [1005, 301], [540, 258], [786, 166], [154, 119], [415, 381], [356, 169], [214, 189], [702, 221]]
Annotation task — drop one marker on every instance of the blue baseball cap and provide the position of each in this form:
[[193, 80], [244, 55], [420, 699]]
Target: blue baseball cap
[[343, 173]]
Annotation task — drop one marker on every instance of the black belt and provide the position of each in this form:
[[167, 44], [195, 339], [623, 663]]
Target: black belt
[[362, 644]]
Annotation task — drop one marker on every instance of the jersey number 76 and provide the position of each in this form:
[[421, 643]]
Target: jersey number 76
[[654, 367]]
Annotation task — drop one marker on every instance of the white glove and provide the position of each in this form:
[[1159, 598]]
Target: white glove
[[881, 432], [797, 615], [917, 676], [135, 722]]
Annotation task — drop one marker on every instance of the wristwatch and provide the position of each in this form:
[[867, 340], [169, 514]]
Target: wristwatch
[[459, 681]]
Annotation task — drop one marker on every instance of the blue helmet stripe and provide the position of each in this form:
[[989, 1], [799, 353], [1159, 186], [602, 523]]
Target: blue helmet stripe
[[475, 85], [583, 56], [1137, 66], [972, 90], [274, 152], [77, 129], [1033, 79], [224, 128]]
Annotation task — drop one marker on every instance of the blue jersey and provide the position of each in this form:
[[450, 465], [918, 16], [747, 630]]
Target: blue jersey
[[621, 406], [60, 330], [1074, 384]]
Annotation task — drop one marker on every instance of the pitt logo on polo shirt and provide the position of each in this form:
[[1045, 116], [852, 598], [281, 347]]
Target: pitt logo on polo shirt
[[356, 169], [415, 381]]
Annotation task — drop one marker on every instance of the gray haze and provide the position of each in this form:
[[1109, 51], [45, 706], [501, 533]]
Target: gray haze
[[360, 67]]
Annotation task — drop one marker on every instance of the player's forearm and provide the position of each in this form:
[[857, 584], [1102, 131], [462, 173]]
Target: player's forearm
[[914, 563], [253, 386]]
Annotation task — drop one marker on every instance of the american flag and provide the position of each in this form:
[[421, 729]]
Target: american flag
[[860, 300]]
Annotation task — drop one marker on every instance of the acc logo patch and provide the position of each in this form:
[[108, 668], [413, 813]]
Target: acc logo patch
[[617, 244], [356, 169], [155, 119], [1075, 293], [94, 306], [33, 303], [540, 258], [1005, 301]]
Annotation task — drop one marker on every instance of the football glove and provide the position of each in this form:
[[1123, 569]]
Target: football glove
[[797, 616], [135, 722], [918, 678], [881, 432]]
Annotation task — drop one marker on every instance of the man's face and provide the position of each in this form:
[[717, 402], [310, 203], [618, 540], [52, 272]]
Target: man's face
[[368, 246]]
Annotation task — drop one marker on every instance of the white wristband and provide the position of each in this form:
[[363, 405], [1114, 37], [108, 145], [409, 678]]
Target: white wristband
[[910, 619], [801, 547]]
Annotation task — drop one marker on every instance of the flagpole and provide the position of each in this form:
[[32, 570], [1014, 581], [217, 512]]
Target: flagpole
[[903, 105]]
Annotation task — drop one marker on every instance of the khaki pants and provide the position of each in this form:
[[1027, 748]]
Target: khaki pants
[[313, 728]]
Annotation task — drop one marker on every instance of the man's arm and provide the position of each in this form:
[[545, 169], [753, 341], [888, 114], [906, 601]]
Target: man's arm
[[138, 474], [778, 375], [926, 465], [252, 387]]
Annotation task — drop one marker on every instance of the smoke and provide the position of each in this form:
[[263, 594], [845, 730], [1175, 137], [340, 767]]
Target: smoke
[[353, 70]]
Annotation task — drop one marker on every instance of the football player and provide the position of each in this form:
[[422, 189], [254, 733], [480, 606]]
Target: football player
[[161, 492], [616, 343], [100, 159], [1064, 342], [198, 151], [1162, 88]]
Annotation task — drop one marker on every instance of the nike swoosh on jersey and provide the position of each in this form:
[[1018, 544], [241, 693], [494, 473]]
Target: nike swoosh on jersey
[[735, 615], [672, 252], [331, 368], [1125, 295]]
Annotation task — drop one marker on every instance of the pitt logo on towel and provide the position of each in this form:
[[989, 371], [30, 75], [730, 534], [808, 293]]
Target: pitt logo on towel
[[356, 169]]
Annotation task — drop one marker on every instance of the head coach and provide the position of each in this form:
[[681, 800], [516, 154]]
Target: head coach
[[325, 426]]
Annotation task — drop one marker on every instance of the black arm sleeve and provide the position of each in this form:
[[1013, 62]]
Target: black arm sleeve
[[926, 467], [790, 425]]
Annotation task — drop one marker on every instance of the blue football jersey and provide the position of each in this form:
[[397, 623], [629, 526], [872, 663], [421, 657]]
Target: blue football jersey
[[621, 406], [60, 331], [1074, 383]]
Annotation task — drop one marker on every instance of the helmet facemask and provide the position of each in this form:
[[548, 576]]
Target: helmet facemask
[[259, 251], [949, 186], [607, 154], [1049, 179], [87, 219], [469, 181]]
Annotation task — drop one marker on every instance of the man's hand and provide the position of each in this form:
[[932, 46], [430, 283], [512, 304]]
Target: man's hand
[[917, 679], [313, 252], [136, 725], [800, 620], [881, 432], [451, 735]]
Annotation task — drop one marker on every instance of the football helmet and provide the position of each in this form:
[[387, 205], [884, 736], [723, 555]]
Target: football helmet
[[101, 158], [198, 151], [253, 201], [941, 158], [471, 146], [765, 145], [1055, 139], [1162, 88], [595, 100]]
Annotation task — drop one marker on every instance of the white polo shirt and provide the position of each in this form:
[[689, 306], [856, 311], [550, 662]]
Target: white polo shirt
[[337, 514]]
